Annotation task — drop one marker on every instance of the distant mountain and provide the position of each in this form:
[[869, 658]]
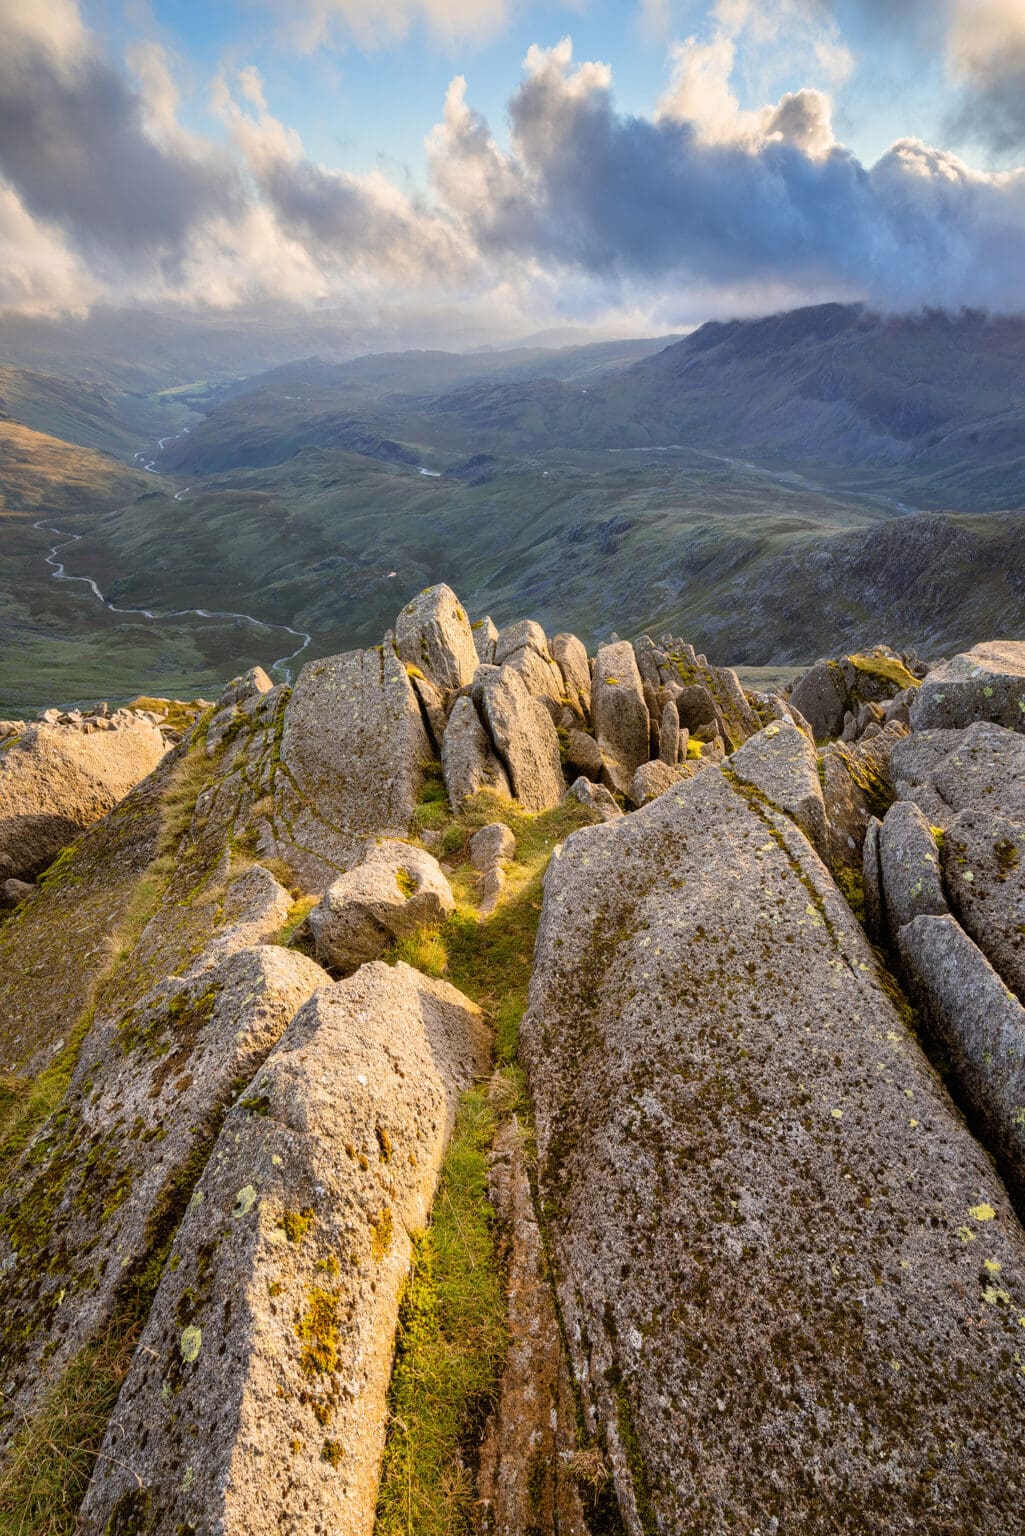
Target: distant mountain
[[937, 400]]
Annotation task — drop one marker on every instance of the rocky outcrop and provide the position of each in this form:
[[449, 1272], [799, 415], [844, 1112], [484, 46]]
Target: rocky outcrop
[[985, 683], [433, 634], [396, 891], [99, 1192], [524, 738], [352, 751], [980, 1028], [56, 780], [833, 691], [256, 1400], [710, 1052], [760, 1272]]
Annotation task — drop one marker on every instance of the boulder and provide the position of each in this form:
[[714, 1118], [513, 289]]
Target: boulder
[[14, 892], [821, 697], [983, 862], [485, 634], [86, 1212], [467, 757], [582, 754], [433, 634], [571, 657], [525, 635], [980, 1028], [985, 683], [621, 723], [909, 862], [55, 780], [669, 733], [831, 690], [541, 677], [490, 849], [432, 708], [653, 779], [352, 750], [525, 739], [398, 890], [756, 1190], [781, 763], [596, 797], [241, 688], [256, 1401]]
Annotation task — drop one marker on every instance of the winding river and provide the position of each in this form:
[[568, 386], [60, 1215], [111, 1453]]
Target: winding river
[[281, 665]]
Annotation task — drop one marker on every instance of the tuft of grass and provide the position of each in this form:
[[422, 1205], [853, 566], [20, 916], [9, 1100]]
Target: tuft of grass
[[51, 1456], [451, 1345], [426, 951]]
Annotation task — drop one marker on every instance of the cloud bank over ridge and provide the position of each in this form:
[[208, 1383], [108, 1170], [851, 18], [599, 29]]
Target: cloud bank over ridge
[[582, 212]]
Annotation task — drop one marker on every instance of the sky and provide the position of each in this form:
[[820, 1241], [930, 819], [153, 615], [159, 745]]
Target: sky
[[639, 166]]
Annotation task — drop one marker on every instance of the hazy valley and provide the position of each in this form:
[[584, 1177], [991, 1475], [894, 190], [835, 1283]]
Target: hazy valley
[[772, 487]]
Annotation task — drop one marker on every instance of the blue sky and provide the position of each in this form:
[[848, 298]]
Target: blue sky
[[432, 167], [356, 107]]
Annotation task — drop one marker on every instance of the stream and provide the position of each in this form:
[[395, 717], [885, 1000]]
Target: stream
[[281, 665]]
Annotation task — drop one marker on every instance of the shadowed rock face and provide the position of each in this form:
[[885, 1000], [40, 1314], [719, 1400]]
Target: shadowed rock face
[[767, 1219], [257, 1399]]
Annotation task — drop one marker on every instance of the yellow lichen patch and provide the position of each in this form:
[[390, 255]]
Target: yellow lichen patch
[[296, 1224], [317, 1331], [994, 1266], [966, 1234], [190, 1343], [982, 1212], [381, 1231]]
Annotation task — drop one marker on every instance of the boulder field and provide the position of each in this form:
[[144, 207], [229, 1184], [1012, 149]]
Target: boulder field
[[491, 1088]]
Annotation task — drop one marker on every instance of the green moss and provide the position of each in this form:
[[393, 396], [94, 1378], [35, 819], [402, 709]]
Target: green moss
[[382, 1230], [451, 1345], [406, 883]]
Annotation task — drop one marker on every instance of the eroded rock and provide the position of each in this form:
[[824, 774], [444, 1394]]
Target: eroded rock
[[524, 738], [909, 862], [467, 756], [984, 869], [397, 891], [621, 722], [780, 762], [980, 1027], [755, 1189], [985, 683], [257, 1399], [353, 749]]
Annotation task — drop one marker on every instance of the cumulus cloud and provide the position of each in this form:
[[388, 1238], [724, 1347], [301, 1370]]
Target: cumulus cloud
[[704, 206], [682, 203]]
